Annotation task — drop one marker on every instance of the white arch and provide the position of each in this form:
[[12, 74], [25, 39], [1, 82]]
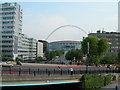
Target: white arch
[[63, 27]]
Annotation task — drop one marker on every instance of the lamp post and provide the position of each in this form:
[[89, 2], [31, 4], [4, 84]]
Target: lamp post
[[74, 60], [87, 62]]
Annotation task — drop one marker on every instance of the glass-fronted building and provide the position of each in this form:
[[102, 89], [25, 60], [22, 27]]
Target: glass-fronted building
[[64, 45]]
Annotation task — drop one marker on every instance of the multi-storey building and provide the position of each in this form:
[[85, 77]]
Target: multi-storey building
[[45, 47], [32, 48], [113, 39], [64, 45], [119, 16], [39, 49], [27, 47], [14, 43], [10, 27]]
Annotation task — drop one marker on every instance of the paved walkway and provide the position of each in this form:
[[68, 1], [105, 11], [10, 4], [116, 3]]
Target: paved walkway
[[113, 86], [33, 82]]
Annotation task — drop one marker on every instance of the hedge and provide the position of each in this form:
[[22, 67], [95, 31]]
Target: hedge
[[92, 81]]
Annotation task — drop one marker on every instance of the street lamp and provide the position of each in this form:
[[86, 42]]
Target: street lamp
[[87, 62]]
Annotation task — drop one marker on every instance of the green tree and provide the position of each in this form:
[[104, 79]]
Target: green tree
[[52, 54], [118, 58], [38, 58], [74, 53], [5, 59], [103, 46], [59, 52], [109, 59], [97, 48]]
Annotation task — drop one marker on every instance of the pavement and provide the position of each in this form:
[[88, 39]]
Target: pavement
[[46, 65], [33, 82], [50, 65], [113, 86]]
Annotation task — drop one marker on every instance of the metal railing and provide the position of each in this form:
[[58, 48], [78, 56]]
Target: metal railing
[[50, 72]]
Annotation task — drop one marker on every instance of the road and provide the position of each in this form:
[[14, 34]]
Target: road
[[52, 67], [48, 69]]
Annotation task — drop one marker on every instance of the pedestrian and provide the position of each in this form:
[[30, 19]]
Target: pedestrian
[[116, 88], [71, 71], [59, 68]]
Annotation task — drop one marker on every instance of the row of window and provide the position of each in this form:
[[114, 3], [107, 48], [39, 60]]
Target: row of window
[[7, 13], [7, 41], [115, 42], [7, 46], [114, 46], [6, 18], [7, 51], [8, 22], [7, 27], [10, 8], [113, 38], [23, 51], [10, 56], [7, 32], [114, 50], [7, 36]]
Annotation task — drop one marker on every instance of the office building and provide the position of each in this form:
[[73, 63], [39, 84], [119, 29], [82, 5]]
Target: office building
[[14, 44], [45, 47], [39, 49], [113, 39], [119, 16]]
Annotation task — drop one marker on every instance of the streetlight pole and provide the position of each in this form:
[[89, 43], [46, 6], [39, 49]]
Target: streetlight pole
[[87, 62]]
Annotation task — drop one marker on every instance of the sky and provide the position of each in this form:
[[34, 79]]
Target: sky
[[41, 18]]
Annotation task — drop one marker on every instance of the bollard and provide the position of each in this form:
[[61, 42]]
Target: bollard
[[46, 70], [34, 73], [54, 71], [61, 71], [38, 70], [80, 71], [68, 71], [9, 70], [19, 71], [48, 73], [29, 70]]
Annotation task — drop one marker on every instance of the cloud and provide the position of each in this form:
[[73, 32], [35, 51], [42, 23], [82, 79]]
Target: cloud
[[40, 27]]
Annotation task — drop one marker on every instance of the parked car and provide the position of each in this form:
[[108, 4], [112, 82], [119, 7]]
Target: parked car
[[5, 64]]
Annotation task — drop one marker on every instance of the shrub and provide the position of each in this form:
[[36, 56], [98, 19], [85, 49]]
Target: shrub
[[108, 79], [92, 81]]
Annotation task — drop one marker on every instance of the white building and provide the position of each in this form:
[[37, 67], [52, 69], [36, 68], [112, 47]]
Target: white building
[[10, 27], [14, 43], [39, 49], [119, 16]]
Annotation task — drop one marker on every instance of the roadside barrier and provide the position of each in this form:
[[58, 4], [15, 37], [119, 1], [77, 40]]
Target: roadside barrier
[[49, 72]]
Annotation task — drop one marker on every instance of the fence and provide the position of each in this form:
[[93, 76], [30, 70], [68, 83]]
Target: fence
[[48, 72]]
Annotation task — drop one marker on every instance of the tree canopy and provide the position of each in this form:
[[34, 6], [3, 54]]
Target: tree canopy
[[74, 53], [53, 54], [97, 48]]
